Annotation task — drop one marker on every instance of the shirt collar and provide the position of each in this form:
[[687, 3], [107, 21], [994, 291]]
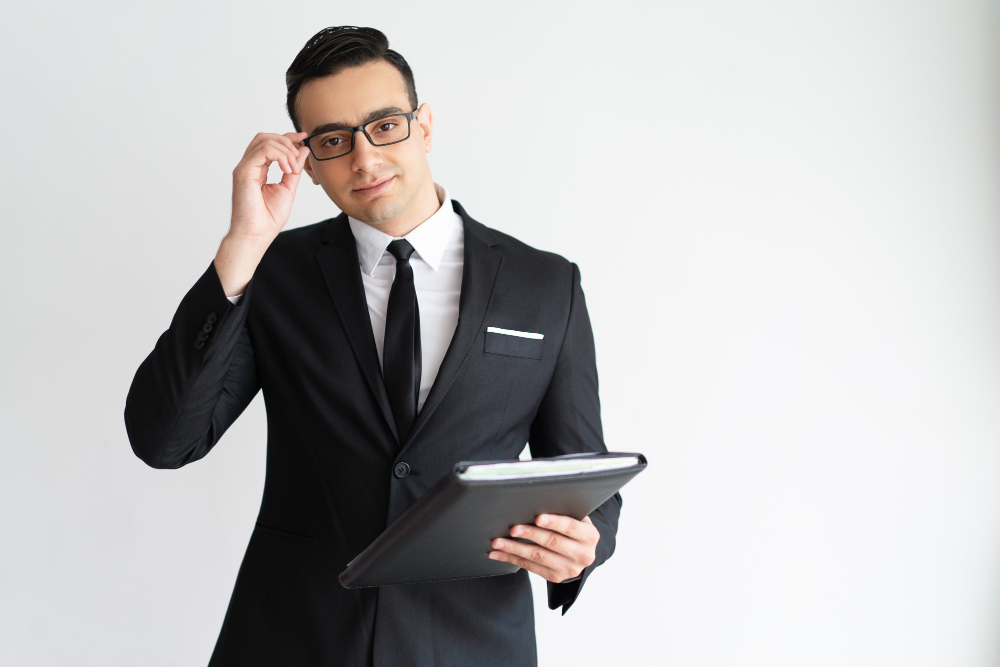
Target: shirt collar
[[429, 239]]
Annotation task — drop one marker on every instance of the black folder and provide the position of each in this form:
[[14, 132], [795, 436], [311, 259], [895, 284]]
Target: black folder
[[447, 533]]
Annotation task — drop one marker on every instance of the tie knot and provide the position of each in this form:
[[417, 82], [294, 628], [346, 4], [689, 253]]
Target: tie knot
[[401, 249]]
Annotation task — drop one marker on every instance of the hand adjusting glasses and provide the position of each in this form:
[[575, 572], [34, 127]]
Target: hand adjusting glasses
[[380, 132]]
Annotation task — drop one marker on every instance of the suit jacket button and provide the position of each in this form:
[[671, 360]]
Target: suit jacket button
[[202, 335], [211, 318], [198, 344], [207, 328], [401, 470]]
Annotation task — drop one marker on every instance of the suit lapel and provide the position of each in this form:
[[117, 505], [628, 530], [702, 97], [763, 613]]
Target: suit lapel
[[338, 261], [481, 266]]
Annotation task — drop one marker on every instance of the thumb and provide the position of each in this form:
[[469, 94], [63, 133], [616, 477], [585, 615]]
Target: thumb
[[291, 180]]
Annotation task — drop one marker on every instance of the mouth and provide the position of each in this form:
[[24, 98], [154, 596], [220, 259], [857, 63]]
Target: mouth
[[376, 188]]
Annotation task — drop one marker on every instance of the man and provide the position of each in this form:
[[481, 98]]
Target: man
[[390, 342]]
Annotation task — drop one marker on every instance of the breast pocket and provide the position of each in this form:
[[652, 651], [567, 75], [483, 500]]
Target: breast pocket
[[513, 343]]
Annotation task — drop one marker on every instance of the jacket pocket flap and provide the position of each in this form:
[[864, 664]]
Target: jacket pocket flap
[[512, 345]]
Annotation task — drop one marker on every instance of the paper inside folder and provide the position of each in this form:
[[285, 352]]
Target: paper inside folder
[[545, 468]]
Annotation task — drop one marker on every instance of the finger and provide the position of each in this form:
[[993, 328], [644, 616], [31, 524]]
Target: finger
[[291, 181], [566, 525], [262, 141], [265, 137], [273, 151], [535, 554], [553, 541], [297, 138], [254, 166], [530, 566], [290, 152], [270, 150], [285, 141], [294, 140], [299, 153], [257, 140], [300, 161]]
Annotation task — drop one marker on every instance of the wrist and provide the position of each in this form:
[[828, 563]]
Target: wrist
[[246, 243], [236, 261]]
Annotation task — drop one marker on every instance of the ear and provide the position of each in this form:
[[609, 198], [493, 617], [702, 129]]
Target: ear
[[309, 169], [426, 121]]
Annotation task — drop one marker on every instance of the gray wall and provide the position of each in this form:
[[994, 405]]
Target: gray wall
[[787, 219]]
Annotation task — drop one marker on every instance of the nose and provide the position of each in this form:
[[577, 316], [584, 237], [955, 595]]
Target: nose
[[365, 156]]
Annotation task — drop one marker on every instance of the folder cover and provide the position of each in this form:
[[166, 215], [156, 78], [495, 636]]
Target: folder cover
[[447, 533]]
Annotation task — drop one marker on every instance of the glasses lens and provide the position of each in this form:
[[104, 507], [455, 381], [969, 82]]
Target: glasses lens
[[388, 130], [331, 144]]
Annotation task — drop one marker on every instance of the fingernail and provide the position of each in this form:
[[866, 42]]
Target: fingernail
[[515, 531], [494, 555], [542, 520], [498, 544]]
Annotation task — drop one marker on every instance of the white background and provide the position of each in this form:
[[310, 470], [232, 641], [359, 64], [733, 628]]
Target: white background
[[787, 220]]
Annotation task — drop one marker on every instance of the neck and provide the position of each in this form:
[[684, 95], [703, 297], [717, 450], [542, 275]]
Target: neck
[[427, 203]]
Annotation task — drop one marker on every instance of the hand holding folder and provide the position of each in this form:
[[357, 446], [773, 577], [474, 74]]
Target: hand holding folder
[[448, 533], [557, 548]]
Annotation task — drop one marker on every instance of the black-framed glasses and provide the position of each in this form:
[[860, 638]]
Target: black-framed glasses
[[380, 132]]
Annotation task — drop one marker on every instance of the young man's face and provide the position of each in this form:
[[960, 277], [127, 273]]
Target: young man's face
[[374, 184]]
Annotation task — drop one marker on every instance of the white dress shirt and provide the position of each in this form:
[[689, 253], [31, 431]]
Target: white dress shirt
[[437, 261]]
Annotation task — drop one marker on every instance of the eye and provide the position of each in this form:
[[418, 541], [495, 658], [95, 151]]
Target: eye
[[332, 141], [385, 127]]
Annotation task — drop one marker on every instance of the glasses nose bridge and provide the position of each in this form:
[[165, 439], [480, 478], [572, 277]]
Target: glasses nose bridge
[[362, 130], [362, 153]]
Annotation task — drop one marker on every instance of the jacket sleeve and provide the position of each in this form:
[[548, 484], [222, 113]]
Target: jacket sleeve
[[198, 379], [568, 421]]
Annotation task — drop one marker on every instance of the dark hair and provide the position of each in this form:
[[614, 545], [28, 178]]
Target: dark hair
[[332, 50]]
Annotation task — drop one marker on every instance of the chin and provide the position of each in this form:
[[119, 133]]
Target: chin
[[375, 212]]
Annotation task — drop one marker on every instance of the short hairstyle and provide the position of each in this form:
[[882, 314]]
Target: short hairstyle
[[332, 50]]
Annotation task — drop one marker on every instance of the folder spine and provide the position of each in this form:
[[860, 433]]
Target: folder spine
[[400, 528]]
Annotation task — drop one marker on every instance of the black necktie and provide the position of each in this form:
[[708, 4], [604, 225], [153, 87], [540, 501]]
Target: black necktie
[[401, 350]]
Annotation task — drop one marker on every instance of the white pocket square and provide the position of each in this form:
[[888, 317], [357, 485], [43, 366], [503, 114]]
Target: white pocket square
[[511, 332]]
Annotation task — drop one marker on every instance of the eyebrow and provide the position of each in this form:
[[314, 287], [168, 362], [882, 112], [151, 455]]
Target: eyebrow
[[367, 118]]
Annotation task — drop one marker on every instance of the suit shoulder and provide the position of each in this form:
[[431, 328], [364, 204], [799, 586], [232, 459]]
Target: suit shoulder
[[292, 243], [535, 262], [292, 247], [304, 234]]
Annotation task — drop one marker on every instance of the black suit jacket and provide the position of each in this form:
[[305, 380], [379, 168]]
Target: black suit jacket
[[302, 335]]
